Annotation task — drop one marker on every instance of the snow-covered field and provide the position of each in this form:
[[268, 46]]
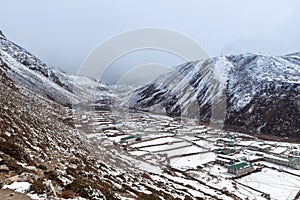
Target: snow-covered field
[[188, 162], [156, 142], [279, 185]]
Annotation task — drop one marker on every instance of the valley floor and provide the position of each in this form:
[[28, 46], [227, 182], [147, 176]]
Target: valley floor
[[154, 155], [195, 158]]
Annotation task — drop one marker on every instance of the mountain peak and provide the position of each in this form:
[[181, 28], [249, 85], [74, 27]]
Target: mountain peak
[[251, 83], [2, 36], [294, 54]]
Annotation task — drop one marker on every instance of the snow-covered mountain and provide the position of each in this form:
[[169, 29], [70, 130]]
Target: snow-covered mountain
[[261, 93], [31, 73]]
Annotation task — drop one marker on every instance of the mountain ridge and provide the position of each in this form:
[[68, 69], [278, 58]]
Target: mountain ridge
[[250, 83], [31, 73]]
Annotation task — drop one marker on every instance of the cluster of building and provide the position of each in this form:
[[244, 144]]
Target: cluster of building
[[291, 160], [235, 165], [229, 147]]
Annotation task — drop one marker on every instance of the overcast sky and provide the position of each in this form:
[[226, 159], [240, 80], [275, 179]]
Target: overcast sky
[[63, 32]]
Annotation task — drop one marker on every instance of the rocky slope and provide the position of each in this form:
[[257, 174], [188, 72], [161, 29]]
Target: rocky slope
[[37, 142], [253, 93]]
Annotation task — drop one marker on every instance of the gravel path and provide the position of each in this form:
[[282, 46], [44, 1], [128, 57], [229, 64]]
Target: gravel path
[[11, 195]]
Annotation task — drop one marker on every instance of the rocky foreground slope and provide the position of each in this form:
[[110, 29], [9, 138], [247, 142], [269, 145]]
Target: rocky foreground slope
[[252, 93]]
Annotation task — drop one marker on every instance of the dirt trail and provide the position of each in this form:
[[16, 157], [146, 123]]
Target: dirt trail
[[11, 195]]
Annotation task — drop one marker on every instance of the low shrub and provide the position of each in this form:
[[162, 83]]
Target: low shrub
[[148, 197], [38, 187], [68, 194]]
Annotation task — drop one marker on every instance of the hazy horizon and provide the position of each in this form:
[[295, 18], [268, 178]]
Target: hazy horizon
[[63, 32]]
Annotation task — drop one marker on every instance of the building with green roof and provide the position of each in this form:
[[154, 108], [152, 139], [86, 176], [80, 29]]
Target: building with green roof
[[294, 159], [241, 167]]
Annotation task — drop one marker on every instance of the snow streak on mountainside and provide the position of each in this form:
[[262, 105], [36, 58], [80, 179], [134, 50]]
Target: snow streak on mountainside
[[30, 72], [262, 93]]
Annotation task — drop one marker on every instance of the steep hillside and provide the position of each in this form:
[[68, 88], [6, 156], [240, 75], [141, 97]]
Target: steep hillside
[[261, 93], [38, 144], [30, 72]]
